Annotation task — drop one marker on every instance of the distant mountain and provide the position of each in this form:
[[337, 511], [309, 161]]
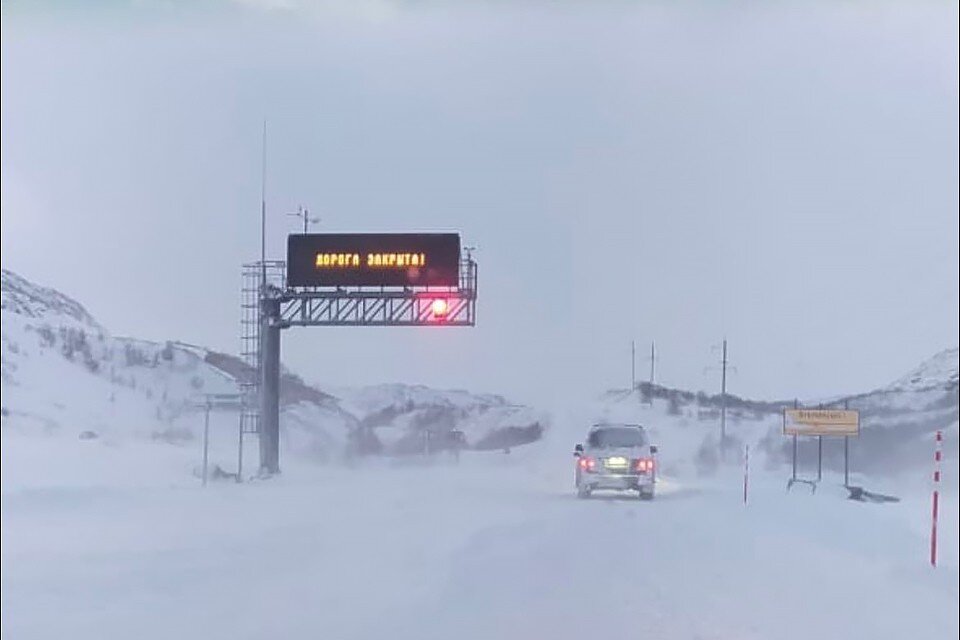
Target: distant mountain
[[62, 372], [897, 421], [398, 414], [939, 373]]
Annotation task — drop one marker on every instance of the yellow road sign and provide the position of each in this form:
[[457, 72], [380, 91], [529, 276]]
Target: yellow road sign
[[821, 422]]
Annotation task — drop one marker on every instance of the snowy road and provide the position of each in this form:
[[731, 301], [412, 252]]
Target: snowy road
[[494, 548]]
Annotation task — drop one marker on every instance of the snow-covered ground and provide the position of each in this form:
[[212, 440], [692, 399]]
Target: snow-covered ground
[[119, 541], [111, 536]]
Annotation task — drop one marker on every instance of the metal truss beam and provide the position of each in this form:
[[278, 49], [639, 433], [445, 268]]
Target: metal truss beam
[[332, 309], [381, 308]]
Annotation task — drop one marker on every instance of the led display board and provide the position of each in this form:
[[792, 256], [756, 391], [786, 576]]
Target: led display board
[[373, 259]]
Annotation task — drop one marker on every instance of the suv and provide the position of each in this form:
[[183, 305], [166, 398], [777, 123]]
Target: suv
[[619, 457]]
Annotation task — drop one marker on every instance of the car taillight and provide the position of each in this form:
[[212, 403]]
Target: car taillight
[[645, 465], [587, 463]]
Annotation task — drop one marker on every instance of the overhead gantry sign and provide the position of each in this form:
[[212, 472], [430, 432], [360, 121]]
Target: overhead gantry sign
[[358, 280]]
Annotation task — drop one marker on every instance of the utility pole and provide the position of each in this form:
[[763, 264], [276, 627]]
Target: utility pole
[[724, 365], [723, 397], [653, 360], [633, 366]]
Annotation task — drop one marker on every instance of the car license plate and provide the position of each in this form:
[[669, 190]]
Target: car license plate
[[616, 462]]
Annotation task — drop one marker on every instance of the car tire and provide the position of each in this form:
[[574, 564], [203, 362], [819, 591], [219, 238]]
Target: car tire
[[646, 495], [583, 492]]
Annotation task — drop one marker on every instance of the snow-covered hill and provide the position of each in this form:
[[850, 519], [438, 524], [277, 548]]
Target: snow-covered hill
[[29, 300], [397, 414], [64, 373], [939, 373], [897, 423], [898, 420]]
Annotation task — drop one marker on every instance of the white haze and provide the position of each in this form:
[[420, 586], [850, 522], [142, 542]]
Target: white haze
[[783, 174]]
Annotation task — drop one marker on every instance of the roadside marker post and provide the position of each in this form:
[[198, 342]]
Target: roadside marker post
[[937, 455]]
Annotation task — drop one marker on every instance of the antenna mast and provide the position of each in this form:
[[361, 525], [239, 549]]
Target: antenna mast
[[263, 209]]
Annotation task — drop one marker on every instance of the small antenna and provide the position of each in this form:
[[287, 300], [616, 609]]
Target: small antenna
[[263, 210], [304, 214]]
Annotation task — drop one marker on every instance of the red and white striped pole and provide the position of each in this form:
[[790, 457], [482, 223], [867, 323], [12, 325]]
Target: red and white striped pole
[[936, 499], [746, 472]]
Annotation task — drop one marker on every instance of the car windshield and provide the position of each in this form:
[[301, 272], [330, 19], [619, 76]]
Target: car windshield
[[612, 437]]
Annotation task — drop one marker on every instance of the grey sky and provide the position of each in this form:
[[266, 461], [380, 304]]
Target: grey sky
[[783, 174]]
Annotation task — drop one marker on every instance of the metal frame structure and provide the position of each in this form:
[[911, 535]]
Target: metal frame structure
[[252, 284], [380, 307], [269, 306], [212, 401]]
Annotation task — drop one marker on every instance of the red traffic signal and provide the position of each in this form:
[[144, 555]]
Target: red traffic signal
[[439, 308]]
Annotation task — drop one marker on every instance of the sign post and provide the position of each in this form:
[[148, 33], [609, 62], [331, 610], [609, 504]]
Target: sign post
[[819, 423], [212, 401], [846, 461], [819, 458], [793, 475], [206, 440]]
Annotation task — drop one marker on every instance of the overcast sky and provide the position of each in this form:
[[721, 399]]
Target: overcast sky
[[783, 174]]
